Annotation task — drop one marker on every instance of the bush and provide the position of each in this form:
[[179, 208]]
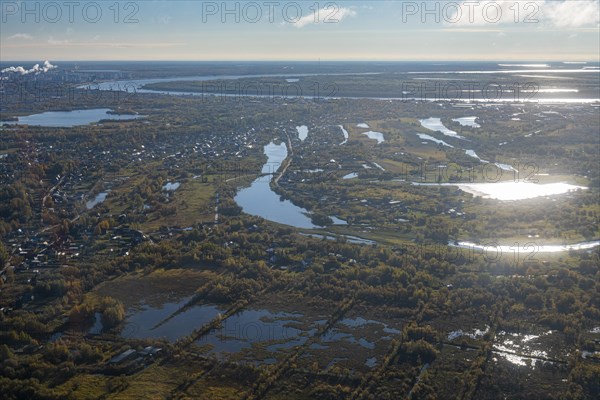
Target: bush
[[113, 312]]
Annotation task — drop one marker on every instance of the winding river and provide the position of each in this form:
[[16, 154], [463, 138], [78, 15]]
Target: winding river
[[260, 200]]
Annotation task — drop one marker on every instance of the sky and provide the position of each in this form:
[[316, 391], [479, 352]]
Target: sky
[[461, 30]]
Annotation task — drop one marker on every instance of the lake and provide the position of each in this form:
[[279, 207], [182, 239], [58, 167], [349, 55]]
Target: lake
[[68, 119]]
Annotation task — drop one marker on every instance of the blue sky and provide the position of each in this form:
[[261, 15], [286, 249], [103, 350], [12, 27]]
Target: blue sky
[[287, 30]]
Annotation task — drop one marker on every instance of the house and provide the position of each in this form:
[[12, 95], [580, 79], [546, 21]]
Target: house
[[150, 351], [126, 355]]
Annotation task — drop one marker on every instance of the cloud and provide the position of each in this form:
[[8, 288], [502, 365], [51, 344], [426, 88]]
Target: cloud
[[326, 15], [572, 14], [55, 42], [24, 36], [36, 69], [553, 13]]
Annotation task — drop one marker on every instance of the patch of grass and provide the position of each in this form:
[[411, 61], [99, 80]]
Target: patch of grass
[[156, 287], [194, 203], [86, 387], [155, 382]]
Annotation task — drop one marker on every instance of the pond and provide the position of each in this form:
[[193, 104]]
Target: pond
[[171, 186], [151, 322], [68, 119], [96, 329], [474, 334], [100, 197], [352, 329], [467, 121], [471, 153], [436, 125], [432, 139], [505, 167], [378, 166], [345, 133], [371, 362], [375, 136], [302, 132], [349, 239]]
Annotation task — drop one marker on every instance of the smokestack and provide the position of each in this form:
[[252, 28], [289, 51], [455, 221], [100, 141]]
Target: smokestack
[[35, 70]]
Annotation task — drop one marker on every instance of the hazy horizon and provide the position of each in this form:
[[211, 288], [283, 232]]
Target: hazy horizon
[[481, 60], [487, 30]]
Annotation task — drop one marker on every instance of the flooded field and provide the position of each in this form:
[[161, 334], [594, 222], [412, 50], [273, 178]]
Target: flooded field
[[258, 330], [147, 322], [265, 333], [359, 341], [510, 190], [529, 349]]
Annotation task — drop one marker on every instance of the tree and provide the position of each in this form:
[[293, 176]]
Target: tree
[[566, 303], [534, 300], [321, 219], [88, 354], [113, 312], [3, 255], [5, 352]]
